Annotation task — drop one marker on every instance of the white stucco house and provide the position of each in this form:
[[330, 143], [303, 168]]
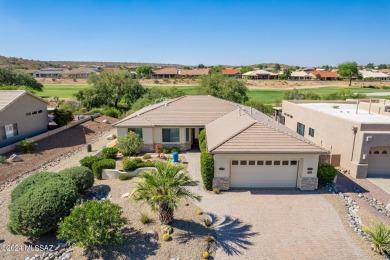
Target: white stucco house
[[250, 149]]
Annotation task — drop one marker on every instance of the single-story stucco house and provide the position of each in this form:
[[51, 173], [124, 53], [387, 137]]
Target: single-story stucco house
[[22, 115], [250, 149]]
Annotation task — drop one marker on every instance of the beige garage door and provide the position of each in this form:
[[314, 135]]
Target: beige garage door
[[263, 173], [379, 162]]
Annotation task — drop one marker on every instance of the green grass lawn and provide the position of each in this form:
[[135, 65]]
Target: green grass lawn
[[267, 96], [63, 91]]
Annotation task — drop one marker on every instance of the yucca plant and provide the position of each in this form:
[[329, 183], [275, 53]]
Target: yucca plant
[[380, 236], [163, 189]]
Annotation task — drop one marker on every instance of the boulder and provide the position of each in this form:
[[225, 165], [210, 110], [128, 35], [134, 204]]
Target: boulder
[[110, 137], [388, 207], [165, 229], [15, 158], [125, 195], [105, 121]]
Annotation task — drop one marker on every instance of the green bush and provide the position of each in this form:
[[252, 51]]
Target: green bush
[[380, 237], [82, 176], [97, 167], [144, 218], [93, 223], [130, 144], [32, 181], [124, 177], [111, 112], [175, 149], [89, 160], [130, 165], [147, 156], [39, 210], [62, 117], [207, 169], [109, 153], [166, 150], [2, 159], [326, 172], [26, 146], [202, 140]]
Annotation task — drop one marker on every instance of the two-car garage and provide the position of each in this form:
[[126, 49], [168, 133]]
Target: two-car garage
[[263, 173]]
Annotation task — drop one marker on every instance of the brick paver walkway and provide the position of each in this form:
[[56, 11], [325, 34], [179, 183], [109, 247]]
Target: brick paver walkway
[[274, 224]]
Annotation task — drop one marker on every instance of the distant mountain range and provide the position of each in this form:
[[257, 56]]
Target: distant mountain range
[[20, 63]]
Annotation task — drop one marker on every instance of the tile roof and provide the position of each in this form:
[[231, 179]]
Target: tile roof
[[325, 74], [373, 74], [8, 97], [241, 132], [166, 71], [301, 74], [195, 72], [231, 71], [183, 111]]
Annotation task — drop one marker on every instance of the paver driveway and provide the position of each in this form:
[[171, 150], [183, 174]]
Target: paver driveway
[[274, 224]]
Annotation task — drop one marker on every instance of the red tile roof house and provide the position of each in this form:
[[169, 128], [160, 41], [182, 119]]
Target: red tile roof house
[[325, 75], [249, 148], [193, 73], [230, 72], [165, 73]]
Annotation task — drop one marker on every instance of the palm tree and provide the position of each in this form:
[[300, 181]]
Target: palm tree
[[163, 189]]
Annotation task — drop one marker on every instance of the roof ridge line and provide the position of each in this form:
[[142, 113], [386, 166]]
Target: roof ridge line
[[23, 93], [160, 104]]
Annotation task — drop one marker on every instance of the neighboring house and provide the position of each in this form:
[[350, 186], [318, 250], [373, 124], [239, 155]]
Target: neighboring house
[[31, 72], [250, 149], [385, 71], [301, 75], [259, 74], [358, 133], [78, 73], [230, 72], [325, 75], [165, 73], [49, 73], [373, 75], [193, 73], [22, 115]]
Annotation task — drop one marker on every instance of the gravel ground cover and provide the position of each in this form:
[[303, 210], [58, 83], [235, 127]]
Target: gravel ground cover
[[52, 150]]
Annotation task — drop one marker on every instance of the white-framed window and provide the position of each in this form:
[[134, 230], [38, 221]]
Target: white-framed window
[[301, 129], [171, 135], [311, 132], [9, 131]]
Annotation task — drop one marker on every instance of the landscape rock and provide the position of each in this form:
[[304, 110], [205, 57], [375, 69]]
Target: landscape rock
[[125, 195], [388, 207], [15, 158], [165, 229], [105, 121], [110, 137]]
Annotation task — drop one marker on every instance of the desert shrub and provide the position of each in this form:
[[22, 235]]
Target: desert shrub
[[147, 156], [111, 112], [216, 190], [62, 117], [326, 172], [130, 144], [95, 110], [26, 146], [39, 210], [93, 223], [158, 149], [89, 160], [144, 218], [207, 169], [97, 167], [2, 159], [205, 255], [156, 81], [124, 177], [165, 150], [32, 181], [82, 176], [175, 149], [109, 153], [130, 165], [199, 212], [380, 237]]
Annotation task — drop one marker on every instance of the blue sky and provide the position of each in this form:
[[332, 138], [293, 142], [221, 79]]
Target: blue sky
[[305, 33]]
